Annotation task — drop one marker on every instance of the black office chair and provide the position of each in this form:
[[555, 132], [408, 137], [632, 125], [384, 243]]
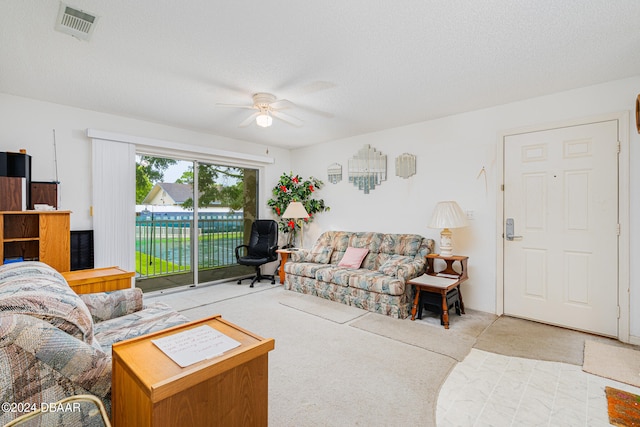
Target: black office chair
[[261, 249]]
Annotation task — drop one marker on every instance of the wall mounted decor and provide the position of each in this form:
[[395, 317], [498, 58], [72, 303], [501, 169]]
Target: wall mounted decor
[[367, 169], [638, 113], [334, 173], [405, 165]]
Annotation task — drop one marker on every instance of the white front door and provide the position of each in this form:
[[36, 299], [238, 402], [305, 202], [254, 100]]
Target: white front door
[[561, 191]]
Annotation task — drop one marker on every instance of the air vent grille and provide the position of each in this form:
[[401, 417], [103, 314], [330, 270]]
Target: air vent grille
[[75, 22]]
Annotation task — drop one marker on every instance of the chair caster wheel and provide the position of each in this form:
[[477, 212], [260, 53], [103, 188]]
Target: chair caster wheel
[[239, 282]]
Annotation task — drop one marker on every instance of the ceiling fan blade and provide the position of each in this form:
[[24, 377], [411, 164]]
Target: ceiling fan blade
[[287, 118], [282, 104], [246, 122]]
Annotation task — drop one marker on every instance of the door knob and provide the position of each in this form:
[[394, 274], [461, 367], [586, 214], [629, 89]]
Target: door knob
[[509, 230]]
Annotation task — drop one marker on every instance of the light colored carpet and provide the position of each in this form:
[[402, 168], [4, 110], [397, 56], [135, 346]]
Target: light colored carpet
[[324, 373], [612, 361], [330, 310], [420, 334], [333, 366], [472, 324], [533, 340]]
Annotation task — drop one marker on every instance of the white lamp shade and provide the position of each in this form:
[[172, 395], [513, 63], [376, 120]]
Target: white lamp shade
[[295, 210], [264, 120], [448, 215]]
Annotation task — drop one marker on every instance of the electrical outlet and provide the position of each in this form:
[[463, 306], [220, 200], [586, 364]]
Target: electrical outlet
[[471, 215]]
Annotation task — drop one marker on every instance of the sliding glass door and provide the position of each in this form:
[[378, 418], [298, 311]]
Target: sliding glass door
[[190, 216]]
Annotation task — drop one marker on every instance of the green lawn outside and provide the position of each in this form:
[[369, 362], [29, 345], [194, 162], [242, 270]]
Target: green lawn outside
[[157, 266], [147, 265]]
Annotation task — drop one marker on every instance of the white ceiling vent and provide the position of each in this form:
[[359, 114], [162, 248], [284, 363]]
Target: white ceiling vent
[[75, 22]]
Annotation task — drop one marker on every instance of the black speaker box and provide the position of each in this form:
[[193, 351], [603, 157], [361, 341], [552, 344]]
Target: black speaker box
[[15, 164], [81, 250]]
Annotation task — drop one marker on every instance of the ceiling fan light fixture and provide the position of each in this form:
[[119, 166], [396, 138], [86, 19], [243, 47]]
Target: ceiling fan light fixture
[[264, 120]]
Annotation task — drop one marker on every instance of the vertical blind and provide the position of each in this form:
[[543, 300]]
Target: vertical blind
[[114, 189]]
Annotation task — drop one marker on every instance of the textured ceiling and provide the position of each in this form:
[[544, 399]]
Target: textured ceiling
[[371, 64]]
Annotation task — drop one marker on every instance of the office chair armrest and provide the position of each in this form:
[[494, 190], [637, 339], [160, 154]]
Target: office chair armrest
[[238, 253]]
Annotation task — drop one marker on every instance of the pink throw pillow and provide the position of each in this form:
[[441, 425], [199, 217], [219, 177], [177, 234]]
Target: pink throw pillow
[[353, 257]]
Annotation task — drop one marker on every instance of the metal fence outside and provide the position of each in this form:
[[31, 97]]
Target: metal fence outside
[[163, 246]]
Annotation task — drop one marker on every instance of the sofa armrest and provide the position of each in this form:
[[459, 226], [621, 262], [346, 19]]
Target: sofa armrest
[[109, 305], [64, 362], [300, 255], [409, 270]]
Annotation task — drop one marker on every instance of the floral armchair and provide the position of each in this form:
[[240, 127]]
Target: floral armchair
[[55, 343]]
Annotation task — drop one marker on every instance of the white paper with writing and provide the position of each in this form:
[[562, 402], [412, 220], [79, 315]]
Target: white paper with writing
[[194, 345]]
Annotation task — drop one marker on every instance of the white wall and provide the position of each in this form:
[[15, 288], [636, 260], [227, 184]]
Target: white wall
[[451, 152], [29, 124]]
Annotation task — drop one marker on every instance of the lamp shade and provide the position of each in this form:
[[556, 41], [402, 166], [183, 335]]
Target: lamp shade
[[448, 215], [295, 210]]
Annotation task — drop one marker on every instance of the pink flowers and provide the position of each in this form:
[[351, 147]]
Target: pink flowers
[[283, 188], [311, 188], [291, 224]]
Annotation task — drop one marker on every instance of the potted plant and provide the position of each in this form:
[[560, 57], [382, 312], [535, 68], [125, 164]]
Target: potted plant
[[293, 188]]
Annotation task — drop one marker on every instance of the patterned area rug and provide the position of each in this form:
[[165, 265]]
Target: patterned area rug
[[329, 310], [624, 408]]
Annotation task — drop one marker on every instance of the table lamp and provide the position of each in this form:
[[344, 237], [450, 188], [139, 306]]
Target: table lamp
[[447, 215], [296, 211]]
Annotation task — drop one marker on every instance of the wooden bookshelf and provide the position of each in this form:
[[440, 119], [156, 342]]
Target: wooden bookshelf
[[36, 236]]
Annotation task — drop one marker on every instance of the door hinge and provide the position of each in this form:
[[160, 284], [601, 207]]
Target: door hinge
[[618, 312], [501, 187], [619, 147], [618, 229]]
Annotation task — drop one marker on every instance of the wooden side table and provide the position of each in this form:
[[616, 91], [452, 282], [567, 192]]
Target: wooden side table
[[284, 255], [98, 279], [435, 284], [449, 271], [150, 390], [441, 282]]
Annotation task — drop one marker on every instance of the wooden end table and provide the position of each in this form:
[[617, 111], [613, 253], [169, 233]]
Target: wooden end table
[[284, 254], [98, 279], [150, 390], [441, 282]]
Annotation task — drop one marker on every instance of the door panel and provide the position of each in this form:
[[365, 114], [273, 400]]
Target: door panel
[[561, 192]]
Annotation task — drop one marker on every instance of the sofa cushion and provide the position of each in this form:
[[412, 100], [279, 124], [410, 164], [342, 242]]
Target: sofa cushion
[[35, 289], [353, 257], [337, 275], [402, 244], [375, 281], [318, 254], [304, 269], [390, 266]]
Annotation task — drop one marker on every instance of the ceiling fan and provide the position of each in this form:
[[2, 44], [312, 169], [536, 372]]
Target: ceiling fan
[[267, 107]]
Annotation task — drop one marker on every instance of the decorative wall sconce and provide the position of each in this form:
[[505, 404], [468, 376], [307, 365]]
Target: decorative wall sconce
[[367, 169], [334, 173], [405, 165]]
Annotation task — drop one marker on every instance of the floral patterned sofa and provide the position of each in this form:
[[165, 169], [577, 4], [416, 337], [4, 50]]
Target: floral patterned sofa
[[55, 343], [379, 285]]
